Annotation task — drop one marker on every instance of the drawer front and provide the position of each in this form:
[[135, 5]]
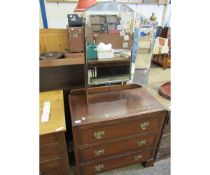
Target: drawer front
[[116, 162], [48, 139], [49, 151], [133, 143], [52, 167], [145, 124]]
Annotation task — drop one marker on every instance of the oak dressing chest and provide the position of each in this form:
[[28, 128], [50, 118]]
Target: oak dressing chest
[[120, 125]]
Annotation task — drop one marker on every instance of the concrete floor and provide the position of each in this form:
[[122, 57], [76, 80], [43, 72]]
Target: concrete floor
[[146, 73], [160, 168]]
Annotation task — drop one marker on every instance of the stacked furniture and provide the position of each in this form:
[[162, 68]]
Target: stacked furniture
[[53, 152], [120, 125]]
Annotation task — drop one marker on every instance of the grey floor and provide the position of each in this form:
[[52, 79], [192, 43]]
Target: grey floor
[[146, 73], [160, 168]]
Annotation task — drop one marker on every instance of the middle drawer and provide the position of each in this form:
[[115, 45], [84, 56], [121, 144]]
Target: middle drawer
[[120, 146], [49, 151]]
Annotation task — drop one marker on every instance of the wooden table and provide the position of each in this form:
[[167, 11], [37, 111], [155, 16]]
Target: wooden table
[[53, 152]]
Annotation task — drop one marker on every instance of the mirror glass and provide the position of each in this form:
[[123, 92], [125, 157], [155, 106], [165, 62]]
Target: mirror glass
[[108, 41]]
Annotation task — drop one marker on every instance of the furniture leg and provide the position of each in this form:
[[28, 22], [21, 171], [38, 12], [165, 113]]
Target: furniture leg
[[149, 163]]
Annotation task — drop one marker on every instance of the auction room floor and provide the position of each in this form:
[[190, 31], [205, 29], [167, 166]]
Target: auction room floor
[[156, 73]]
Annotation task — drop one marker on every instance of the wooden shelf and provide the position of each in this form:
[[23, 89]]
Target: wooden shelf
[[109, 61], [61, 62]]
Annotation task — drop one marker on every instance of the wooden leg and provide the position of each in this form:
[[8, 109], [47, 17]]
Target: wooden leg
[[149, 163]]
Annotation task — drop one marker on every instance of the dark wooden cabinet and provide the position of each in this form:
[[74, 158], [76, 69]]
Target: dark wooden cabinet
[[53, 151], [120, 125], [53, 155]]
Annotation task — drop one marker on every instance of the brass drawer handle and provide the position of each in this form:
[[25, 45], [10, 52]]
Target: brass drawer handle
[[141, 142], [144, 125], [138, 157], [99, 152], [99, 167], [99, 134]]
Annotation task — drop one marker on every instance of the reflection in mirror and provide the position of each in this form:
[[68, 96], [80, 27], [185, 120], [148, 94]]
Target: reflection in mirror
[[109, 40], [144, 39]]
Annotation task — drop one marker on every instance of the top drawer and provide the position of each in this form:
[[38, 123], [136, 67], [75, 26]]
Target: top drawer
[[145, 123]]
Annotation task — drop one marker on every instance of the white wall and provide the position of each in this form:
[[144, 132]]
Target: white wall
[[40, 20], [57, 12], [147, 10]]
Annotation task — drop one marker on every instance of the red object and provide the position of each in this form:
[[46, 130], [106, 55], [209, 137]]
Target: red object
[[165, 90], [83, 5]]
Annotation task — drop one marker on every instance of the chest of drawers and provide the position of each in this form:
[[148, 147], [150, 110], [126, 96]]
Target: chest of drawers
[[53, 152], [119, 126]]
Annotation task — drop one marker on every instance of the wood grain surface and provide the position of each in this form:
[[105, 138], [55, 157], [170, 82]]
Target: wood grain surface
[[62, 62], [57, 116], [112, 105], [120, 125]]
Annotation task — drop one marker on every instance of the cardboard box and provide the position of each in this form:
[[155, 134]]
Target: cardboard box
[[112, 19], [97, 19], [76, 39], [115, 39], [96, 27]]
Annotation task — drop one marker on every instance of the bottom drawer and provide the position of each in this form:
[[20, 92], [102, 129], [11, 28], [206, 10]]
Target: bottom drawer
[[117, 162], [52, 167]]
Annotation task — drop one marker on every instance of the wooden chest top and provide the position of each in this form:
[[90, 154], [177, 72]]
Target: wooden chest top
[[111, 105], [57, 116]]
